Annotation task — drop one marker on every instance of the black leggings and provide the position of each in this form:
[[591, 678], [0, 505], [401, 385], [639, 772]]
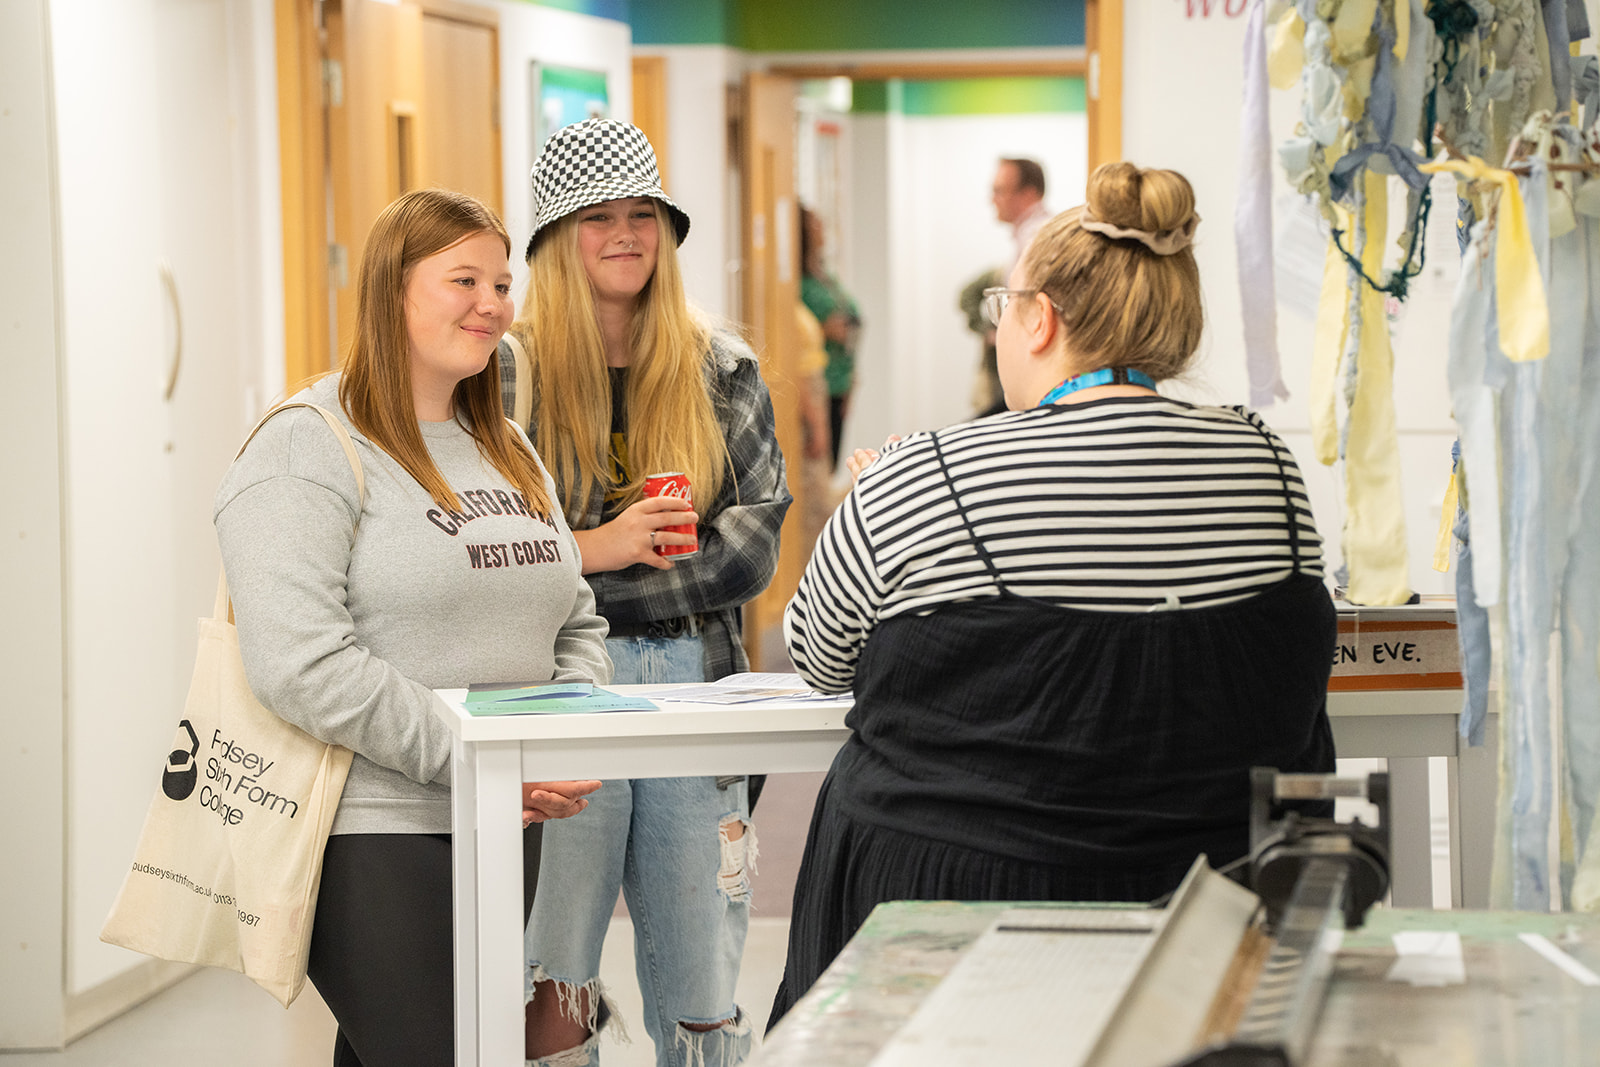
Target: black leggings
[[381, 946]]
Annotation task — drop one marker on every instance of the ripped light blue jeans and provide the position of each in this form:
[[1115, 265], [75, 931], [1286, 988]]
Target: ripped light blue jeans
[[681, 851]]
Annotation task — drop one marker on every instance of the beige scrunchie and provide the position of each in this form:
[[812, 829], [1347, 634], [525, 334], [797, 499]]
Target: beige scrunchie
[[1161, 242]]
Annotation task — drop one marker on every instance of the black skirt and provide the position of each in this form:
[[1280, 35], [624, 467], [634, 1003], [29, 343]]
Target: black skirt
[[1006, 749], [850, 867]]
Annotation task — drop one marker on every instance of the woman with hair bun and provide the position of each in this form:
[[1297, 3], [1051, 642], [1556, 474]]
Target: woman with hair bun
[[1072, 628]]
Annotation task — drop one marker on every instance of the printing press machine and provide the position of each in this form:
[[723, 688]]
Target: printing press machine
[[1279, 974]]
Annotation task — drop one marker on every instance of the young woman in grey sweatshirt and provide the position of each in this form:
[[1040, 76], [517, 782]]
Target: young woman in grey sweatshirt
[[457, 568]]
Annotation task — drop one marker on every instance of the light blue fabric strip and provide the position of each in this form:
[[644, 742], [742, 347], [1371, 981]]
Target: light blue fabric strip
[[1555, 28], [1472, 631], [1586, 86], [1413, 76], [1474, 343], [1573, 403], [1391, 146], [1478, 514], [1530, 597], [1577, 22], [1349, 361]]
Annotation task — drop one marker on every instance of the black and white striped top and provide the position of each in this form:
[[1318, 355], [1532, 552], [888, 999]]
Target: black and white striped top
[[1122, 504]]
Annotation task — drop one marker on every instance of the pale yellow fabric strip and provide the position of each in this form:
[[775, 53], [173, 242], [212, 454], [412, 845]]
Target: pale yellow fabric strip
[[1402, 28], [1521, 305], [1326, 345], [1357, 88], [1375, 530], [1286, 50], [1525, 332], [1447, 525], [1352, 30]]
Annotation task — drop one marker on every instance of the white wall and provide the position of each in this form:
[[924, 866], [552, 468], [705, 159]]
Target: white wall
[[158, 176], [532, 33], [943, 232], [703, 179], [31, 790], [1182, 88], [865, 263]]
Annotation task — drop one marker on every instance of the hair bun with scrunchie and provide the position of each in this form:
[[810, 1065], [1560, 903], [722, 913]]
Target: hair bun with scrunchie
[[1154, 207], [1161, 242]]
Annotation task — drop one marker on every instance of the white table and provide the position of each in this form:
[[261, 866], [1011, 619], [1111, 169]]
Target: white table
[[1405, 727], [493, 756]]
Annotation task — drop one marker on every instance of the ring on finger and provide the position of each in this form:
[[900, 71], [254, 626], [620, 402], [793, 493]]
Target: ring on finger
[[652, 538]]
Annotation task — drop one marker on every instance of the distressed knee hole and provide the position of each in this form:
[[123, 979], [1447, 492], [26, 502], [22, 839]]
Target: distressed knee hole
[[581, 1056], [739, 851], [729, 1040], [587, 1003]]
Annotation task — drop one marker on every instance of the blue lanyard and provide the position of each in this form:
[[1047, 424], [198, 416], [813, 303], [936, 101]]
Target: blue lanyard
[[1103, 376]]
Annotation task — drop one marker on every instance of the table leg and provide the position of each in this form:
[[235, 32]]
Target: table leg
[[464, 859], [1410, 839], [1474, 794], [500, 954]]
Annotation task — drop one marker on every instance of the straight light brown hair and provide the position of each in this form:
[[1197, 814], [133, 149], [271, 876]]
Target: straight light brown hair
[[671, 423], [1122, 304], [375, 389]]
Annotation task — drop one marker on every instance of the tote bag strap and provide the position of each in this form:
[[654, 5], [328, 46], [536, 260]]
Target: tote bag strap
[[221, 609], [522, 396], [339, 431]]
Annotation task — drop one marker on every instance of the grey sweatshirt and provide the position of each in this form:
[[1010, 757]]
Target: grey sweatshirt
[[345, 631]]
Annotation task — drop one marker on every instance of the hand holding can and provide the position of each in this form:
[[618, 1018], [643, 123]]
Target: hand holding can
[[673, 483]]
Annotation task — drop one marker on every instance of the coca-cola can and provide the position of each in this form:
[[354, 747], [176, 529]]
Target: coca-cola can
[[673, 483]]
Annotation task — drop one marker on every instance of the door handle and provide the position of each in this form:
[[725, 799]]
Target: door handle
[[169, 282]]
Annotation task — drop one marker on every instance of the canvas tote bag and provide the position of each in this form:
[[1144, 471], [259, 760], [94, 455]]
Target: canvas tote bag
[[229, 860]]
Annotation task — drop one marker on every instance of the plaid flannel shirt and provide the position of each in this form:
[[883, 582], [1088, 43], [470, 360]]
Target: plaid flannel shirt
[[738, 532]]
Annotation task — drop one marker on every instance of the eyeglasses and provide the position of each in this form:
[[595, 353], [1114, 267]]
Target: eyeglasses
[[996, 298]]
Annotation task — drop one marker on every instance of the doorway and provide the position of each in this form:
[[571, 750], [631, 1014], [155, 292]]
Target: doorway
[[882, 177], [375, 99]]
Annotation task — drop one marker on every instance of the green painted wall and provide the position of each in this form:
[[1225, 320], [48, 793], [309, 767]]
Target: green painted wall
[[854, 25], [994, 96], [970, 96], [868, 98], [684, 22]]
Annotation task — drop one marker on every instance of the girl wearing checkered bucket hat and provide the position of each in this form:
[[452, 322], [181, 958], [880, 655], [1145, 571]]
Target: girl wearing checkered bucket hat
[[618, 378]]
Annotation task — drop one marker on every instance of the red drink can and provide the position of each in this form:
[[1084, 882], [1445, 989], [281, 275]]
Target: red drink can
[[673, 483]]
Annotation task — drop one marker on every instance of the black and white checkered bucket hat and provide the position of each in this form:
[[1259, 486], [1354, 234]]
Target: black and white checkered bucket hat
[[593, 161]]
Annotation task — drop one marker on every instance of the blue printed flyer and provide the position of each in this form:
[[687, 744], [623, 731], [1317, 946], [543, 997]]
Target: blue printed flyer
[[548, 698]]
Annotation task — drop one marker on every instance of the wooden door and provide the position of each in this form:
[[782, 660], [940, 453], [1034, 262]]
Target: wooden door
[[650, 110], [769, 296], [1103, 29], [376, 99], [303, 185], [459, 109], [373, 133]]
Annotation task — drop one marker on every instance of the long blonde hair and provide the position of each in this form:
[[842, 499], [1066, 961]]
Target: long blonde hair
[[671, 423], [375, 389], [1122, 304]]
